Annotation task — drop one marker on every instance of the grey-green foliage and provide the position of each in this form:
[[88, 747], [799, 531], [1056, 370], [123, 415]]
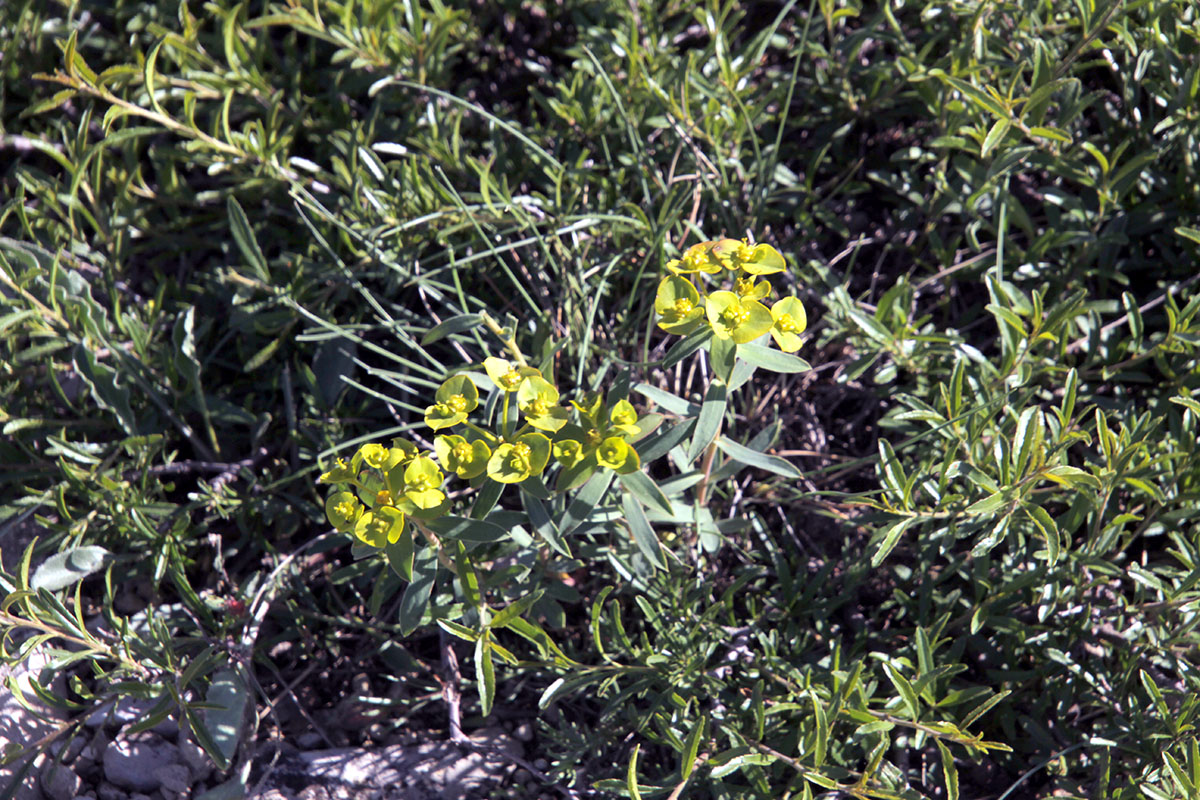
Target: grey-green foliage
[[224, 244]]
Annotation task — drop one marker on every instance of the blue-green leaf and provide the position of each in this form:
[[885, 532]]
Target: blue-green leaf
[[708, 424], [758, 355], [753, 458]]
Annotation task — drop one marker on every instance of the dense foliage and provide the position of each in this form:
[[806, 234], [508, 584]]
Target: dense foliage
[[240, 240]]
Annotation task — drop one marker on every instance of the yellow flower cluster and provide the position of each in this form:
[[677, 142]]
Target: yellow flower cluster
[[382, 488], [738, 315]]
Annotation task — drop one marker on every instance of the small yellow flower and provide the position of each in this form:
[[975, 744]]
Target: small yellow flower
[[732, 317], [697, 258], [789, 322], [680, 309], [507, 376]]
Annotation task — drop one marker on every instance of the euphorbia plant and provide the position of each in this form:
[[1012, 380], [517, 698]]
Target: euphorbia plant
[[520, 433]]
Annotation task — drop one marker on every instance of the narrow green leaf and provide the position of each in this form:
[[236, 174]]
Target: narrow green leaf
[[1189, 233], [1179, 775], [821, 724], [643, 487], [771, 359], [465, 529], [1186, 402], [400, 554], [949, 771], [50, 103], [643, 535], [415, 599], [924, 652], [459, 630], [905, 689], [485, 674], [1045, 523], [1136, 326], [243, 236], [1072, 477], [722, 355], [664, 439], [1007, 317], [1028, 439], [972, 93], [893, 470], [672, 403], [107, 388], [753, 458], [999, 130], [1155, 695], [691, 747], [989, 505], [468, 578], [686, 346], [1070, 387], [485, 501], [631, 781], [459, 324], [540, 518], [889, 540], [515, 609], [983, 708], [585, 500], [1050, 132], [1101, 159], [736, 759], [708, 424]]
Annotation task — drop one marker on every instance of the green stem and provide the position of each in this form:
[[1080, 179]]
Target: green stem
[[507, 339], [506, 425], [436, 541]]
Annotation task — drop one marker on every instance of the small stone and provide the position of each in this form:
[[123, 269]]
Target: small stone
[[94, 750], [20, 726], [126, 711], [174, 778], [524, 732], [542, 764], [106, 791], [69, 751], [131, 763], [59, 783], [197, 761]]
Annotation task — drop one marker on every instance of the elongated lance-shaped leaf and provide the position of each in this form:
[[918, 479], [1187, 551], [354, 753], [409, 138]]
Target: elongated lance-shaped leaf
[[753, 458], [708, 423], [643, 535]]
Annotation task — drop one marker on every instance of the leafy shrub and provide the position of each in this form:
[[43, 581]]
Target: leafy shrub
[[248, 248]]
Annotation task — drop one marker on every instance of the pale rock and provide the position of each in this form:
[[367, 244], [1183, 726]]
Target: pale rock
[[452, 770], [174, 779], [69, 750], [197, 761], [59, 783], [131, 763], [126, 711], [106, 791], [19, 726]]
